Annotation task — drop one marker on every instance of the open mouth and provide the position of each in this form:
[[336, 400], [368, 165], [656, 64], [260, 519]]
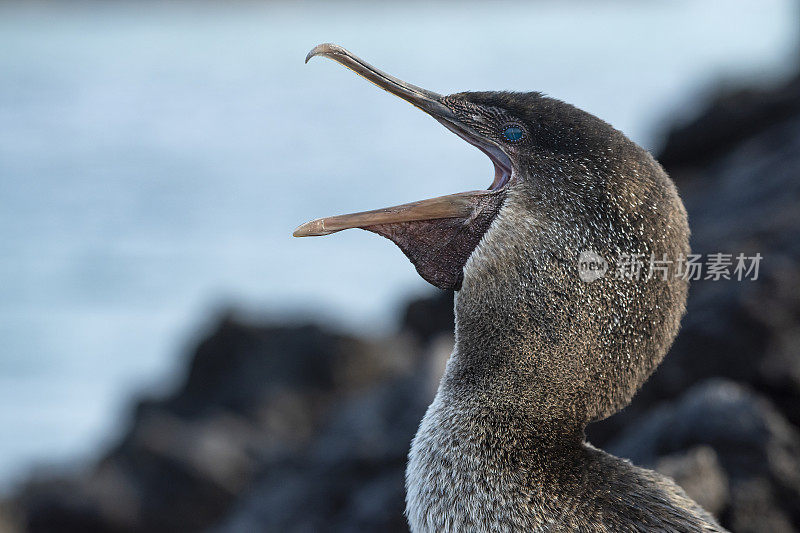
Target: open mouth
[[466, 205], [502, 163]]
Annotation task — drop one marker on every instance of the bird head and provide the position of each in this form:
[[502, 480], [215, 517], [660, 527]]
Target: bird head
[[565, 184]]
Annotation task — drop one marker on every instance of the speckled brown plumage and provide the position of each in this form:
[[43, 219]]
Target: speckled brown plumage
[[539, 353]]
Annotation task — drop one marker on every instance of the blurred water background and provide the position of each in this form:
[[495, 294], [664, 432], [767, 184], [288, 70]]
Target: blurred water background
[[154, 158]]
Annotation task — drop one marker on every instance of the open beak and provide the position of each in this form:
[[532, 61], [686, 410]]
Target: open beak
[[460, 205], [438, 235]]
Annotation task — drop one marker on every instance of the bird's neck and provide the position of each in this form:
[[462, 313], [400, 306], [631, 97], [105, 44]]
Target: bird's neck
[[503, 421], [513, 354], [485, 439], [520, 349], [497, 376]]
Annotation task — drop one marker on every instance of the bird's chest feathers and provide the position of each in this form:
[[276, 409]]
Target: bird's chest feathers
[[457, 480]]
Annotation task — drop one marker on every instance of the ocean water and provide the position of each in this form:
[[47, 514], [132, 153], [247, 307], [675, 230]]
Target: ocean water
[[154, 159]]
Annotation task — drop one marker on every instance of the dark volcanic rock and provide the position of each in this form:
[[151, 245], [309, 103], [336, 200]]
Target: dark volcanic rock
[[757, 450], [698, 471], [428, 317], [732, 117], [254, 396], [352, 477]]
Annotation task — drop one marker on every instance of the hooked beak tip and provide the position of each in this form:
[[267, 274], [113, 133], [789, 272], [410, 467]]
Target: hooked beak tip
[[428, 101], [323, 49]]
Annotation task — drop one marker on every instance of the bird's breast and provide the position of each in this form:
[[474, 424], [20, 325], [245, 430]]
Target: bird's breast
[[455, 483]]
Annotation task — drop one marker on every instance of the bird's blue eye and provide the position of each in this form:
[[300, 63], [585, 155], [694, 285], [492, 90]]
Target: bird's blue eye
[[513, 133]]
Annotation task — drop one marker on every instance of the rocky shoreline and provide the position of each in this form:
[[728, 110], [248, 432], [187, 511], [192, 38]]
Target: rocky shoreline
[[300, 428]]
